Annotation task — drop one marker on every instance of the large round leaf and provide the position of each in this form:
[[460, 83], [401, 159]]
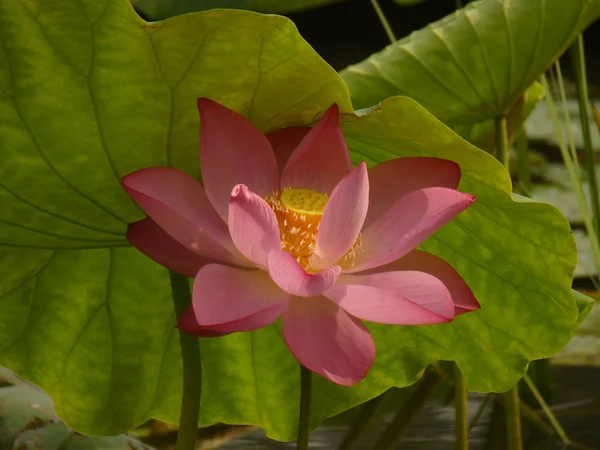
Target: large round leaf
[[474, 64], [90, 93]]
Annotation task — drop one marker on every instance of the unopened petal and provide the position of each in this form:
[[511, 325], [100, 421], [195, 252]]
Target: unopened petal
[[321, 160], [398, 298], [223, 296], [287, 273], [233, 151], [343, 219], [407, 223], [253, 226], [327, 340]]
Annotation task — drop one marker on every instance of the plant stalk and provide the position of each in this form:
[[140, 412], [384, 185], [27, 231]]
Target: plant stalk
[[523, 170], [596, 115], [578, 59], [428, 383], [461, 410], [549, 414], [384, 22], [360, 423], [479, 411], [501, 141], [559, 82], [192, 368], [305, 400], [513, 418], [574, 175]]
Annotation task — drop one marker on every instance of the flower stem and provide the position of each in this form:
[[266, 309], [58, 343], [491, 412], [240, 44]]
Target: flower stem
[[192, 368], [384, 22], [461, 410], [427, 385], [305, 398], [578, 57], [513, 418]]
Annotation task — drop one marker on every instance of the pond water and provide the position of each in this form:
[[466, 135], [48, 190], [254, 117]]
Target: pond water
[[577, 407]]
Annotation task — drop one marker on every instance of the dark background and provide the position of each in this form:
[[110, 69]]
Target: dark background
[[347, 32]]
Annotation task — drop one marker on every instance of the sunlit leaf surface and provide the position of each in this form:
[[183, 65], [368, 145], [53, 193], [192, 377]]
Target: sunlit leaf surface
[[473, 65]]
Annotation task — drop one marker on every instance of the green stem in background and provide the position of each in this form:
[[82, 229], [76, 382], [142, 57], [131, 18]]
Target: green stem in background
[[529, 415], [384, 22], [479, 411], [428, 383], [360, 423], [513, 418], [573, 169], [461, 410], [551, 417], [560, 84], [501, 140], [305, 399], [578, 58], [596, 115], [523, 170], [192, 368]]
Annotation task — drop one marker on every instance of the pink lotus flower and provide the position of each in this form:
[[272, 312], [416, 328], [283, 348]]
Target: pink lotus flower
[[283, 226]]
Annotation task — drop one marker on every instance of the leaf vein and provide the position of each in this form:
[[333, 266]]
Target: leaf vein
[[51, 234], [461, 69], [47, 161], [485, 58], [58, 216], [437, 79], [35, 277]]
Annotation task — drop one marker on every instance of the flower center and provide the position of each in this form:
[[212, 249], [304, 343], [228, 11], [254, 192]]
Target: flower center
[[299, 212], [304, 202]]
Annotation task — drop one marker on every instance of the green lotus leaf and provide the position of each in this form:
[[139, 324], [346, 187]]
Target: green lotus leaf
[[163, 9], [483, 134], [584, 348], [131, 90], [585, 305], [473, 65], [89, 93]]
